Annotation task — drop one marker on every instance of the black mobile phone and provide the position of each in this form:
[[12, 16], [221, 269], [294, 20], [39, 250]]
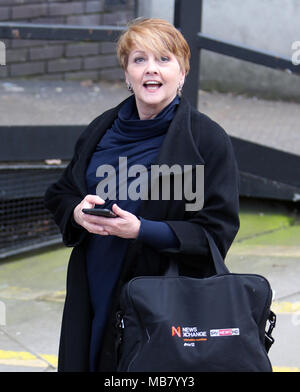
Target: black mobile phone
[[100, 212]]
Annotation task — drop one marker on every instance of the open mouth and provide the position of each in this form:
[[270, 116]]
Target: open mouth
[[152, 85]]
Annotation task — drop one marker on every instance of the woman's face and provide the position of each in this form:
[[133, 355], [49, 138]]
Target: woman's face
[[154, 80]]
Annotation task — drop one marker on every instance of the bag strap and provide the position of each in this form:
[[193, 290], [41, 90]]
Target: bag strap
[[222, 269], [219, 264], [269, 340], [172, 270], [218, 261]]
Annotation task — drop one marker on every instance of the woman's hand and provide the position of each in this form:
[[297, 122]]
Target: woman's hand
[[126, 225]]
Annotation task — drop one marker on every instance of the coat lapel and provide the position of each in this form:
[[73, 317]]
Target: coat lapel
[[96, 133], [178, 148]]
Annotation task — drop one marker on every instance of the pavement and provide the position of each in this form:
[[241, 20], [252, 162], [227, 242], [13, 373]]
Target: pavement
[[32, 285], [268, 244], [48, 102]]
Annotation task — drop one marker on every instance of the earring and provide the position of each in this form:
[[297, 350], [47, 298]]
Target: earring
[[129, 87], [179, 90]]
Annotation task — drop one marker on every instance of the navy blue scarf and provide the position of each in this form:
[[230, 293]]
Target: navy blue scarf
[[139, 141], [129, 124]]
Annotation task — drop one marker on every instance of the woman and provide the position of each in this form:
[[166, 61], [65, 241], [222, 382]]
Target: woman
[[154, 126]]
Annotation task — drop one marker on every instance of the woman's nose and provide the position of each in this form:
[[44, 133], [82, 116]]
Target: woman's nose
[[151, 66]]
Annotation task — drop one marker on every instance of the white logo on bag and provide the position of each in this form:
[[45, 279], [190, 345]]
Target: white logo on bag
[[189, 335], [192, 332], [225, 332], [192, 344]]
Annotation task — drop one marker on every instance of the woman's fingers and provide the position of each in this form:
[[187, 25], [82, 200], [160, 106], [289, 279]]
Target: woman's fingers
[[95, 228], [121, 213], [88, 202], [126, 225], [92, 200]]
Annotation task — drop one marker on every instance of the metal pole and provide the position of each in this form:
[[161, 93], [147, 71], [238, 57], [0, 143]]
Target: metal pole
[[188, 18], [63, 32]]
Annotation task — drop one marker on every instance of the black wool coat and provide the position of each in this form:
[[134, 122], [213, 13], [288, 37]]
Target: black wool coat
[[192, 139]]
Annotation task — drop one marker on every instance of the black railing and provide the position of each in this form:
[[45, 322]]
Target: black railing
[[188, 16], [59, 32], [24, 222]]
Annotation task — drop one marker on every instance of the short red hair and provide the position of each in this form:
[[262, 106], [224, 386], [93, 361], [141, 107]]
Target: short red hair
[[157, 35]]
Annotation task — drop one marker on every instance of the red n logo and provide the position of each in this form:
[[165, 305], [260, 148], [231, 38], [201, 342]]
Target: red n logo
[[176, 331]]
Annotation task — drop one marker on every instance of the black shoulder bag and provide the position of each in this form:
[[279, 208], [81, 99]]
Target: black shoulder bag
[[175, 323]]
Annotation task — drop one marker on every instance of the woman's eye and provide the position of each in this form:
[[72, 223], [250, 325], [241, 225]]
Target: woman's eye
[[164, 59], [139, 59]]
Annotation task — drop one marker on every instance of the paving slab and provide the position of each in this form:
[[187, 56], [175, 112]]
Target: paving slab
[[283, 274], [47, 102], [32, 290], [36, 102], [268, 244], [274, 124]]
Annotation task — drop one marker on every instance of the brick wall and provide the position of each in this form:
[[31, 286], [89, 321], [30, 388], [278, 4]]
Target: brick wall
[[63, 60]]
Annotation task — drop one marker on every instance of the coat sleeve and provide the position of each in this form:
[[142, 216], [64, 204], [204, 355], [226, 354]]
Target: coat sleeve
[[63, 196], [220, 212]]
